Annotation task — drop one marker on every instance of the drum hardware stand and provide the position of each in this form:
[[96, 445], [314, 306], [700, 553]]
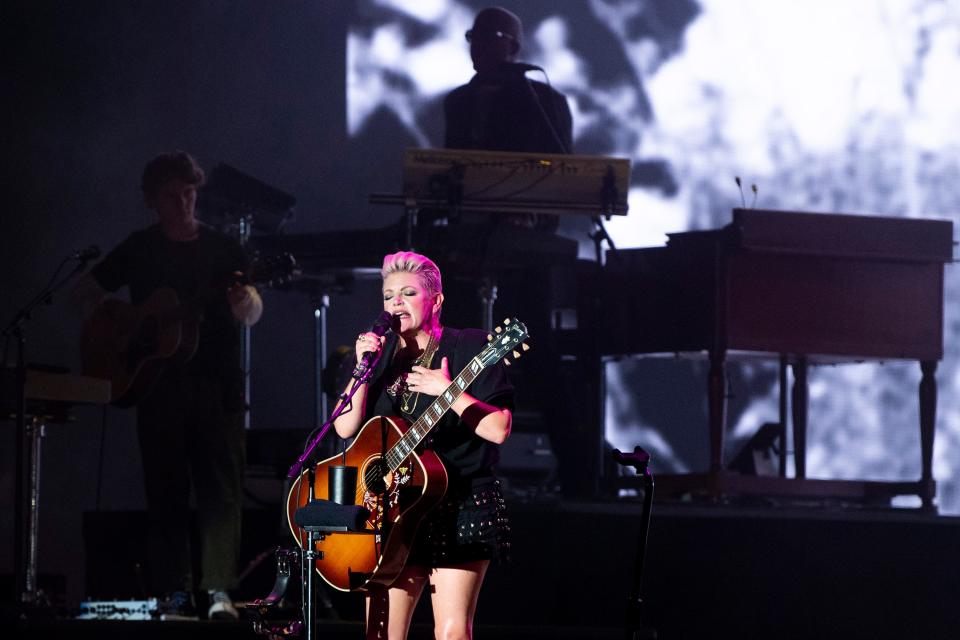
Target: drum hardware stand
[[640, 461], [259, 609]]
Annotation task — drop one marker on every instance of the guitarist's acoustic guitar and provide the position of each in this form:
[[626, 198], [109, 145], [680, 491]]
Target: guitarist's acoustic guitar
[[397, 482], [131, 345]]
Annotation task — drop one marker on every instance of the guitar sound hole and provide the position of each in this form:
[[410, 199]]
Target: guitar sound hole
[[374, 477]]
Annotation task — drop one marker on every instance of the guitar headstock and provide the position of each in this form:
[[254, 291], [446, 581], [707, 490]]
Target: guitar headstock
[[504, 341], [272, 270]]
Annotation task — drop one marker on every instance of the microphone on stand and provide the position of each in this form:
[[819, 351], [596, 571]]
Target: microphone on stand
[[520, 68], [743, 201], [753, 188], [85, 255], [380, 326]]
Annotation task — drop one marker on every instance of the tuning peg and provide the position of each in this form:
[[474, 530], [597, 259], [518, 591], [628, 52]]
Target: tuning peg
[[516, 354], [506, 362], [499, 329], [506, 321], [525, 346]]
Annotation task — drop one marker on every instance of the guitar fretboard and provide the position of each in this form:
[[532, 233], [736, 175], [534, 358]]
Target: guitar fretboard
[[429, 418]]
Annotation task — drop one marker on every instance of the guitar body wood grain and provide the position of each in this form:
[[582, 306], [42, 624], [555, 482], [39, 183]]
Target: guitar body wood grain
[[397, 501]]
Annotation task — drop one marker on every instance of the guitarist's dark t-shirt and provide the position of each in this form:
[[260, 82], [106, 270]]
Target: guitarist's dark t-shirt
[[199, 271], [464, 454]]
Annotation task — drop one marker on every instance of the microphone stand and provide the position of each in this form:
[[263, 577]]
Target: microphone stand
[[598, 236], [309, 589], [639, 459], [346, 400], [608, 197], [26, 501], [561, 147]]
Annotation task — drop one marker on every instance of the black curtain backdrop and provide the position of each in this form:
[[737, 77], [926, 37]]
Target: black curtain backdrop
[[95, 89]]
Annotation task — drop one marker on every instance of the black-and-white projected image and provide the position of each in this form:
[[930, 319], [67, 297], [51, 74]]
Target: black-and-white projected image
[[842, 107]]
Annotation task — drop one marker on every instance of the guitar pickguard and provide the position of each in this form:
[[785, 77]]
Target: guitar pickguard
[[390, 502]]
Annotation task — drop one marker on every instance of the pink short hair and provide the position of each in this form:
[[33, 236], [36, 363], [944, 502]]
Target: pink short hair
[[419, 265]]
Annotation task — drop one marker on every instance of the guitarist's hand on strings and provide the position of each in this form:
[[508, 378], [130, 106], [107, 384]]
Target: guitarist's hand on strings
[[238, 294], [432, 382], [245, 302]]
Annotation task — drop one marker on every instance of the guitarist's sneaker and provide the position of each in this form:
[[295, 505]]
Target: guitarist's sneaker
[[221, 606], [177, 606]]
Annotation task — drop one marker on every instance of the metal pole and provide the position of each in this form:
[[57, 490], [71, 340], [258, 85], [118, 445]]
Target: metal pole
[[246, 223], [31, 591], [783, 416], [488, 296], [320, 307]]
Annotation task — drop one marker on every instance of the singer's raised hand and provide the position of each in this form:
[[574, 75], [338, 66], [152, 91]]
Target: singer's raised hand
[[369, 342], [432, 382]]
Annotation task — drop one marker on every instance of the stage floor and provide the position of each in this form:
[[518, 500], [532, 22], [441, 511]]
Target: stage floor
[[713, 571]]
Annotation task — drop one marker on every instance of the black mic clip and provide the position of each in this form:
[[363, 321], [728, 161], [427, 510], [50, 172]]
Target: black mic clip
[[86, 255]]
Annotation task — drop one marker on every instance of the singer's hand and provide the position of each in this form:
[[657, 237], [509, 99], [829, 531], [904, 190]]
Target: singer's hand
[[432, 382], [369, 342]]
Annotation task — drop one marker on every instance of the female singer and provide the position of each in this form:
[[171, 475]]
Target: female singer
[[458, 539]]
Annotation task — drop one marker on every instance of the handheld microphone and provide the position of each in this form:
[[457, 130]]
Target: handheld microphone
[[90, 253], [380, 326]]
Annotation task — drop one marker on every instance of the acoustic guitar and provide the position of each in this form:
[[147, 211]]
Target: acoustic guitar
[[131, 345], [397, 482]]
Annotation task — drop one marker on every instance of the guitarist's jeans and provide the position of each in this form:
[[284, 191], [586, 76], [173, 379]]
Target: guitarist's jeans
[[187, 436]]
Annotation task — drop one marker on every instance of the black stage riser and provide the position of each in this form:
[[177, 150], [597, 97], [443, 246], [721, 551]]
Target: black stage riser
[[711, 572]]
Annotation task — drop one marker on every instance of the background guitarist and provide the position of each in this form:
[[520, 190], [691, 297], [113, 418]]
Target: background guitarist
[[190, 426], [457, 539]]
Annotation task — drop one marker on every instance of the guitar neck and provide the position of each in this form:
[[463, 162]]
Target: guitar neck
[[429, 418]]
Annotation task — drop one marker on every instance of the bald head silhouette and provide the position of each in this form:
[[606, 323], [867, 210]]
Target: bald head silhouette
[[496, 37]]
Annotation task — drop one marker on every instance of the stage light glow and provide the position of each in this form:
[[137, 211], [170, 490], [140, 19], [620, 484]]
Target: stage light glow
[[826, 106]]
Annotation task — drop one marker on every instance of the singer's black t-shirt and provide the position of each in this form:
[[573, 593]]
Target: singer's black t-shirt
[[464, 454]]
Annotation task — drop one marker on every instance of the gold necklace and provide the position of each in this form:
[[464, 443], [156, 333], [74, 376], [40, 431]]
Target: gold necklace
[[399, 386]]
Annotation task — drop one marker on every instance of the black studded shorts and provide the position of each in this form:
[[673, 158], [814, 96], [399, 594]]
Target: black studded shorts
[[469, 524]]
